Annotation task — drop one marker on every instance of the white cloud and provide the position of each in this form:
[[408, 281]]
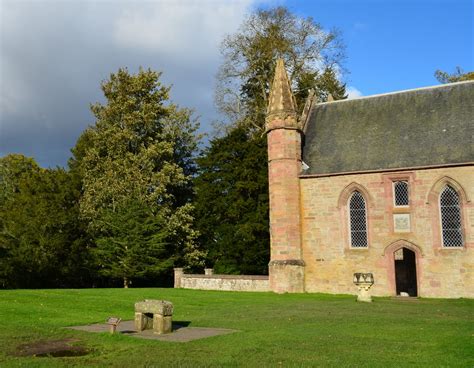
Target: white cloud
[[179, 29], [353, 92]]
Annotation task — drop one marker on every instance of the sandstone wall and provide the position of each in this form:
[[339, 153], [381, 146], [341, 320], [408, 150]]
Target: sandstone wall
[[221, 282], [331, 262]]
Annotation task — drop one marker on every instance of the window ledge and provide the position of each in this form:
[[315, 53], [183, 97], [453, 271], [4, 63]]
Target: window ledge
[[405, 209], [356, 250]]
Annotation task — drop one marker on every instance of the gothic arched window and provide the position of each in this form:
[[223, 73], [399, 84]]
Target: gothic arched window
[[450, 209], [358, 220]]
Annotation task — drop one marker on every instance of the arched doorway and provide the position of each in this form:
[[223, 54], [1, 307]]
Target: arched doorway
[[405, 272]]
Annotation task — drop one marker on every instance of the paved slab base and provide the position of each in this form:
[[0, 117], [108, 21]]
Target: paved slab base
[[179, 334]]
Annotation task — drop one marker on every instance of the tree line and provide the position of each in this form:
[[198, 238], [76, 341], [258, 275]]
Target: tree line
[[139, 197]]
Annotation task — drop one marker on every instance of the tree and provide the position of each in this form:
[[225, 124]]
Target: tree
[[323, 84], [133, 245], [232, 186], [42, 242], [457, 76], [232, 203], [12, 168], [139, 151], [311, 55]]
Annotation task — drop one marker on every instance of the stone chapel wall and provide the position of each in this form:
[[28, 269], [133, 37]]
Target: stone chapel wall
[[330, 261]]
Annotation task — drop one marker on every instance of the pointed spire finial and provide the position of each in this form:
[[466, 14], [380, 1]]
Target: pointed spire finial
[[310, 100], [281, 102]]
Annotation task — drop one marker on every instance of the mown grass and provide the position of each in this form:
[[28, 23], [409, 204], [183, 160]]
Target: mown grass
[[274, 330]]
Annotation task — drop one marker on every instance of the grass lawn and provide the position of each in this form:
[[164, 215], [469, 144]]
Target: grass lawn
[[274, 330]]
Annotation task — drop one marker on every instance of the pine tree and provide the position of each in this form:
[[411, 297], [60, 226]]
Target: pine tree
[[232, 203], [133, 246], [140, 150]]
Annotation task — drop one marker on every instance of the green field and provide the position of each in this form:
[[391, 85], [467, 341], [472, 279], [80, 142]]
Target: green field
[[274, 330]]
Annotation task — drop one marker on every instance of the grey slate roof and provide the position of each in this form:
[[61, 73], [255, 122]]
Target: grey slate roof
[[422, 127]]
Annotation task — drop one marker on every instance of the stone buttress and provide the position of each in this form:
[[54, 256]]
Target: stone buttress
[[286, 267]]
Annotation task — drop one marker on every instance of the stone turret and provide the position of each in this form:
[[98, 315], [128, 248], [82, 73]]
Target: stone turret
[[286, 267]]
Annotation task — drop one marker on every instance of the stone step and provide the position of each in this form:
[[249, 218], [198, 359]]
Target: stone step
[[406, 298]]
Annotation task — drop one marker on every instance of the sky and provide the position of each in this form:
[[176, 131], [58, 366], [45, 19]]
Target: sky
[[54, 54]]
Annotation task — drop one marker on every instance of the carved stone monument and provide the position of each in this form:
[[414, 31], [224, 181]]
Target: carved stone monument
[[364, 282], [154, 314]]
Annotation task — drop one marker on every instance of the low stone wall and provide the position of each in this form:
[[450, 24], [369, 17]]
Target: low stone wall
[[209, 281]]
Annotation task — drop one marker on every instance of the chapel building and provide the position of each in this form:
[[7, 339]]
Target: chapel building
[[381, 184]]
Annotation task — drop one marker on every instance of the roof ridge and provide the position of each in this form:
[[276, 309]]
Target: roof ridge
[[421, 128], [396, 92]]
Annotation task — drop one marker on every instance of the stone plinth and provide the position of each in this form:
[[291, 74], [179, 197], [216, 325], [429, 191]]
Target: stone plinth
[[178, 275], [154, 314], [286, 276]]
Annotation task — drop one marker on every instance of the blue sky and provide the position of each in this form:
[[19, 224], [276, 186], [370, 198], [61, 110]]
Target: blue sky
[[396, 45], [53, 54]]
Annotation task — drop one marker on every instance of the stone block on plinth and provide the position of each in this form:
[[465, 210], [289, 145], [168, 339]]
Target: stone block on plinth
[[154, 314]]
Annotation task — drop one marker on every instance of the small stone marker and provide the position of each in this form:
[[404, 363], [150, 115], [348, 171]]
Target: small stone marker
[[154, 314], [364, 282], [113, 322]]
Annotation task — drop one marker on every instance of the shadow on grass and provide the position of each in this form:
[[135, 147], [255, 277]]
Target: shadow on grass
[[180, 324]]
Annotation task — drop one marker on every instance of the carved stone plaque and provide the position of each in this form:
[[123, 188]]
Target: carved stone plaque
[[401, 222]]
